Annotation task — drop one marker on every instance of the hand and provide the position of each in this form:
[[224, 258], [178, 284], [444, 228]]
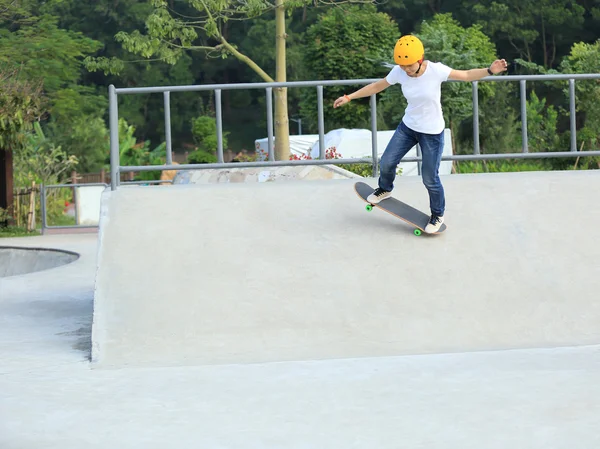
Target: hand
[[499, 65], [341, 101]]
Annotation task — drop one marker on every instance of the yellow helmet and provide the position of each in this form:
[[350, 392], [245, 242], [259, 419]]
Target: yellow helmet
[[408, 50]]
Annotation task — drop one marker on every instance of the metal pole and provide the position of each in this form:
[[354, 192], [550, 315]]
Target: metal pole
[[219, 125], [476, 149], [167, 96], [573, 116], [43, 208], [524, 138], [75, 204], [270, 122], [114, 137], [374, 152], [338, 82], [420, 157], [321, 122]]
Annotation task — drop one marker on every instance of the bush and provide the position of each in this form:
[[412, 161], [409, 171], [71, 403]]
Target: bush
[[201, 157]]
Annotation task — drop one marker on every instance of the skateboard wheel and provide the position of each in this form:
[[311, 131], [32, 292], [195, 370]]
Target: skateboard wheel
[[369, 207], [417, 232]]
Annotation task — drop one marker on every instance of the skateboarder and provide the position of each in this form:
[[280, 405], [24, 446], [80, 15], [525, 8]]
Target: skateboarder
[[423, 121]]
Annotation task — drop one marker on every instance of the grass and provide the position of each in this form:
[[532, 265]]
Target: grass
[[13, 231], [61, 220]]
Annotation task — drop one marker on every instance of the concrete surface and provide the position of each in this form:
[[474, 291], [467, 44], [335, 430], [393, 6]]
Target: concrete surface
[[51, 398], [245, 273], [16, 261]]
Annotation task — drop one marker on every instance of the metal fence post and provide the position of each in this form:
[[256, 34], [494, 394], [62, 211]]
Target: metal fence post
[[321, 122], [524, 137], [219, 114], [572, 117], [270, 122], [167, 97], [374, 150], [114, 137], [43, 207], [476, 149], [75, 204]]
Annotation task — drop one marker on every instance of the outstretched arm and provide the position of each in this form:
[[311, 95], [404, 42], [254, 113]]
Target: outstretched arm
[[367, 91], [497, 66]]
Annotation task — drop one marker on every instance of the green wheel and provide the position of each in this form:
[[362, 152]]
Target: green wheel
[[417, 232], [369, 207]]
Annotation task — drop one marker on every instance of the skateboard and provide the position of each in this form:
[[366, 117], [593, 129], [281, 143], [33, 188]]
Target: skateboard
[[397, 208]]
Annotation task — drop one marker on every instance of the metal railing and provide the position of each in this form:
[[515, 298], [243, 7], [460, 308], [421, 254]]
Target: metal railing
[[44, 206], [116, 168], [44, 202]]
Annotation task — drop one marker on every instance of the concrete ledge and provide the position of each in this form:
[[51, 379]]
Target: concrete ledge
[[243, 273]]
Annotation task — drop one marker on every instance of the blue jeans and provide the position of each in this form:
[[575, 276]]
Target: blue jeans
[[432, 147]]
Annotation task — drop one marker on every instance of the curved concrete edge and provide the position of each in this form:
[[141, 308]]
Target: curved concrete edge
[[21, 266]]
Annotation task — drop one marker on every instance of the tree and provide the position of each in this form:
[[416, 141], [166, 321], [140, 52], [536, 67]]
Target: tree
[[585, 58], [542, 132], [460, 48], [532, 26], [21, 104], [42, 50], [42, 161], [348, 43], [172, 29]]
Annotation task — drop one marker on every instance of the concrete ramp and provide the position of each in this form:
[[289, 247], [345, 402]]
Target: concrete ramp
[[239, 273]]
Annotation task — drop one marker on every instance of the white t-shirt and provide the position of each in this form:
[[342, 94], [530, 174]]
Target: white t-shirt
[[424, 111]]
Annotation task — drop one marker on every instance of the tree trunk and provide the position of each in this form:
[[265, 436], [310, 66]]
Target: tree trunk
[[281, 125], [282, 128], [6, 180], [544, 45]]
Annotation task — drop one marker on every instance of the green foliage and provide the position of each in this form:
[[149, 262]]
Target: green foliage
[[499, 122], [346, 43], [134, 153], [168, 33], [541, 125], [49, 56], [4, 215], [57, 202], [85, 137], [531, 26], [364, 170], [46, 51], [54, 56], [585, 58], [462, 49], [201, 157], [13, 231], [510, 165], [204, 130], [21, 103], [40, 160]]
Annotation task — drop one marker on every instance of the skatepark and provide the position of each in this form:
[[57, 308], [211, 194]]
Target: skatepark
[[284, 315]]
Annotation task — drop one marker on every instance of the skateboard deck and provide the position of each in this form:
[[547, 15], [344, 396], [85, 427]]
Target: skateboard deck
[[397, 208]]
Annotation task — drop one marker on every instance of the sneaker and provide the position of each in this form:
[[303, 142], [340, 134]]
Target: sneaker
[[435, 222], [378, 195]]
